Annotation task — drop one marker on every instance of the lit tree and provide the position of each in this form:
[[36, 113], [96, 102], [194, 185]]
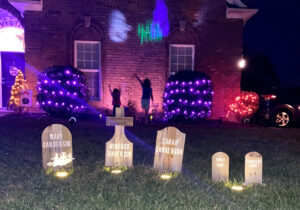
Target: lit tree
[[20, 84], [244, 105]]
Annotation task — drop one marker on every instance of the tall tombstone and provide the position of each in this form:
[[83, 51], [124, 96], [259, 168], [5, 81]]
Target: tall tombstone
[[220, 167], [253, 168], [119, 150], [57, 148], [169, 150]]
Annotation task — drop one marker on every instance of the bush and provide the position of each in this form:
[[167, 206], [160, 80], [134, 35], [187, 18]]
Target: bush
[[62, 91], [244, 106], [188, 96]]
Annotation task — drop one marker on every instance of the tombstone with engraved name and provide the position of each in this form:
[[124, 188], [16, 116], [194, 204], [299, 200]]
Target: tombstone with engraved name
[[220, 167], [253, 168], [169, 150], [57, 148], [119, 150]]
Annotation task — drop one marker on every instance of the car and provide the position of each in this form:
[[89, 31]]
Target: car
[[280, 106]]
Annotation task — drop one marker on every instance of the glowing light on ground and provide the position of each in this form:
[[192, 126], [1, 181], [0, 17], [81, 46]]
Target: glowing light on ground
[[237, 188], [12, 39], [166, 176], [116, 171], [61, 174], [242, 63], [118, 28]]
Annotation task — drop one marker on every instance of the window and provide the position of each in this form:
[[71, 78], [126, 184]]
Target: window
[[87, 59], [181, 58]]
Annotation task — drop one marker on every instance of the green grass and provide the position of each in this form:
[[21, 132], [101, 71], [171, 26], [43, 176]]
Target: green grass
[[24, 184]]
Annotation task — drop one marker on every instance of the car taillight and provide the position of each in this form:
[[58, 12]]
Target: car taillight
[[268, 97]]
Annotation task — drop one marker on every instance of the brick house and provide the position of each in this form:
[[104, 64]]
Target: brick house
[[76, 32]]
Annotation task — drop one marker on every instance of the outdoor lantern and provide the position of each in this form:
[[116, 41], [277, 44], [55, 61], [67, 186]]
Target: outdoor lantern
[[242, 63]]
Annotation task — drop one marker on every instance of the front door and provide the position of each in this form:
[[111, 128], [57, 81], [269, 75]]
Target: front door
[[10, 63]]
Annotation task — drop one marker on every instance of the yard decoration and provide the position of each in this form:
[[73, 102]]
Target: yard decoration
[[62, 91], [149, 32], [253, 168], [188, 96], [118, 150], [118, 28], [160, 19], [20, 84], [26, 98], [220, 167], [169, 150], [57, 150], [244, 105]]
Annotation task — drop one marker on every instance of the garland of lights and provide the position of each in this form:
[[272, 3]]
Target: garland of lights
[[62, 90], [188, 96], [20, 84], [244, 105]]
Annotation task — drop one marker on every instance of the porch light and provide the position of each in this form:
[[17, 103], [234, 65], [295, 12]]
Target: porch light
[[242, 63]]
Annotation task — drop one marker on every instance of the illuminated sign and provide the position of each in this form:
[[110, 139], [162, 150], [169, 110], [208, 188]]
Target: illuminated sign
[[253, 168], [57, 149], [169, 150], [220, 167], [119, 150]]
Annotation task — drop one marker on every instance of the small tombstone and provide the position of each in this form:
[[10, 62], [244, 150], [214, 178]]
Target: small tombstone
[[57, 148], [119, 150], [220, 167], [169, 150], [26, 98], [253, 168]]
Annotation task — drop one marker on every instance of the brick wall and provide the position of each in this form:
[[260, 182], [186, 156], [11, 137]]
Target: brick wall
[[49, 37]]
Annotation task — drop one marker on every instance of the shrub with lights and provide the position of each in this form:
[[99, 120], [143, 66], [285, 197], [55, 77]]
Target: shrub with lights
[[244, 105], [188, 96], [62, 91]]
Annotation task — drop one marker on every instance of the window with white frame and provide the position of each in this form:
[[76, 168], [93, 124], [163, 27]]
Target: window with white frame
[[181, 58], [87, 59]]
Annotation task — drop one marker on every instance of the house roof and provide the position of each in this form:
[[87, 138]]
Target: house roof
[[236, 9]]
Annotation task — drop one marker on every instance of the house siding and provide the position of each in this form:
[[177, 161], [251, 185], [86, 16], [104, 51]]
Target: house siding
[[49, 37]]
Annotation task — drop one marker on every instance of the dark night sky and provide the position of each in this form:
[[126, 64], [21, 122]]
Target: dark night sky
[[274, 34]]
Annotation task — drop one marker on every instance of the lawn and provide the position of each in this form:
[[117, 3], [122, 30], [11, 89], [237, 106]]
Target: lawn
[[24, 184]]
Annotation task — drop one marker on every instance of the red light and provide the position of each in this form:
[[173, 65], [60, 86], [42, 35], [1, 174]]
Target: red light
[[269, 97]]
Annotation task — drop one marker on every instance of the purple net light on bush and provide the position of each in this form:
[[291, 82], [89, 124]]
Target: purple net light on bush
[[188, 96], [62, 90]]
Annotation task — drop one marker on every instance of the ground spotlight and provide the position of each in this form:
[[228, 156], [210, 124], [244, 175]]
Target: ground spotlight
[[61, 174]]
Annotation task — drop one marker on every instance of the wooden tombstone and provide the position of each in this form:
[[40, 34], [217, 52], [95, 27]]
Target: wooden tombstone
[[57, 148], [253, 168], [220, 167], [119, 150], [169, 150]]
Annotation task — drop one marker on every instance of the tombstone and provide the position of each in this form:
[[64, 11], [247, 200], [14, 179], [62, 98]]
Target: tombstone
[[253, 168], [220, 167], [26, 98], [119, 150], [169, 150], [57, 148]]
